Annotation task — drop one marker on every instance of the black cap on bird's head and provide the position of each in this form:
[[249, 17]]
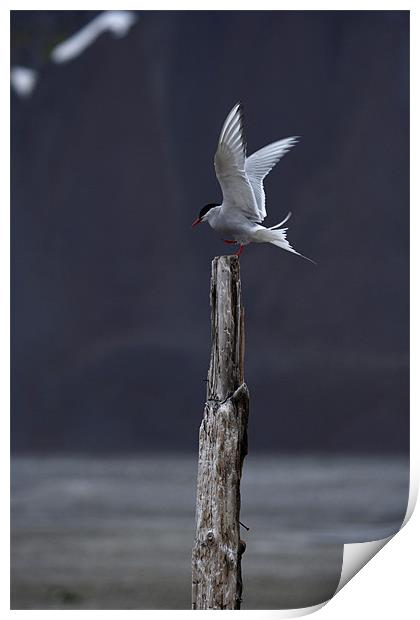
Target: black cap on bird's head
[[203, 212]]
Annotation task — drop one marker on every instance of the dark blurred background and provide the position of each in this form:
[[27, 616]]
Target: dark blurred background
[[111, 161], [112, 153]]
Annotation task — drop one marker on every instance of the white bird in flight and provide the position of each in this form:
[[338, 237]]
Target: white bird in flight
[[238, 219]]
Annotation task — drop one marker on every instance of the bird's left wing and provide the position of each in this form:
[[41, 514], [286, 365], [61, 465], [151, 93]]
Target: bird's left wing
[[229, 162], [259, 164]]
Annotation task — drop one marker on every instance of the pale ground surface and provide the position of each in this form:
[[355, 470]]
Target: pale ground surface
[[117, 533]]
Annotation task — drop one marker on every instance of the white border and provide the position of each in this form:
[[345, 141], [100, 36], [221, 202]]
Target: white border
[[387, 585]]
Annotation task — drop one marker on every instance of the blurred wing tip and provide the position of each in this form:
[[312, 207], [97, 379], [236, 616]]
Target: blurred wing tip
[[233, 127]]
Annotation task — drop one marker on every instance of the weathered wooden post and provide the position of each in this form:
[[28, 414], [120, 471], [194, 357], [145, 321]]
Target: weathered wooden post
[[217, 551]]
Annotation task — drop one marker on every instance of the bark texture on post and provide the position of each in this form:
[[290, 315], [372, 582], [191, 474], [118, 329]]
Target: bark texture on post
[[216, 557]]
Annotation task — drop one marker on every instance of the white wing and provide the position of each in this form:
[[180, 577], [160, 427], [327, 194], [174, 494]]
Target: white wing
[[259, 164], [229, 162]]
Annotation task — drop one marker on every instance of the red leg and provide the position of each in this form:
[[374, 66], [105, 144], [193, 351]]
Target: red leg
[[228, 241], [241, 249]]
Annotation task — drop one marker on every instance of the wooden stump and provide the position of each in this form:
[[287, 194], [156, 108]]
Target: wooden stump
[[217, 551]]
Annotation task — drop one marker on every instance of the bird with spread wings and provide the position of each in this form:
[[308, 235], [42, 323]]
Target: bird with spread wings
[[238, 218]]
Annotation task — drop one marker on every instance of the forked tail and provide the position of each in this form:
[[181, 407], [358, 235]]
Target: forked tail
[[277, 237]]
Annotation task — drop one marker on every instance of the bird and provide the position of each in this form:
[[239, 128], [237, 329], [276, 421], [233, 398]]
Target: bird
[[238, 217]]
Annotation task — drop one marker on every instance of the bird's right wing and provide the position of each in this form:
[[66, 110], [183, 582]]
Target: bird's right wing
[[259, 164], [229, 163]]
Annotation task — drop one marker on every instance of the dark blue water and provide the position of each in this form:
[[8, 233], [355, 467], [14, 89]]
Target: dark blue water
[[117, 533]]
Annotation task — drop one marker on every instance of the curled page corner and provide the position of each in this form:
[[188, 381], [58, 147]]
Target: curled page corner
[[412, 495], [357, 555], [303, 611]]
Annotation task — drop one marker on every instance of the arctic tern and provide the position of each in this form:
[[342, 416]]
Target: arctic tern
[[238, 218]]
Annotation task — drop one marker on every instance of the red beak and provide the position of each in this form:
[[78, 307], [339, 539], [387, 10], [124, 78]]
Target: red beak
[[196, 222]]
